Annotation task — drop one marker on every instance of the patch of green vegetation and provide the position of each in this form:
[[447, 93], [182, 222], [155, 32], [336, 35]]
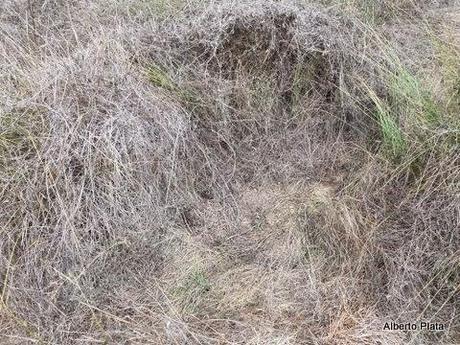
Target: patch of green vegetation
[[190, 96], [410, 98], [193, 289], [160, 78], [393, 138], [431, 124], [199, 280], [408, 114]]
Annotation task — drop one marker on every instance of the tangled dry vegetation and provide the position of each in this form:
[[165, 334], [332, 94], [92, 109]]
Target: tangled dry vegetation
[[229, 172]]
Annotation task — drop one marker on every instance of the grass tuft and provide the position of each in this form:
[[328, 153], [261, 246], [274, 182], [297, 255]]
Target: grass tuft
[[228, 172]]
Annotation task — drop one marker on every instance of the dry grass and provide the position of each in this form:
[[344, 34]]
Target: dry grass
[[232, 172]]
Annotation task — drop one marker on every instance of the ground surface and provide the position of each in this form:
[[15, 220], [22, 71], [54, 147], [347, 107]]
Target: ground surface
[[229, 172]]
